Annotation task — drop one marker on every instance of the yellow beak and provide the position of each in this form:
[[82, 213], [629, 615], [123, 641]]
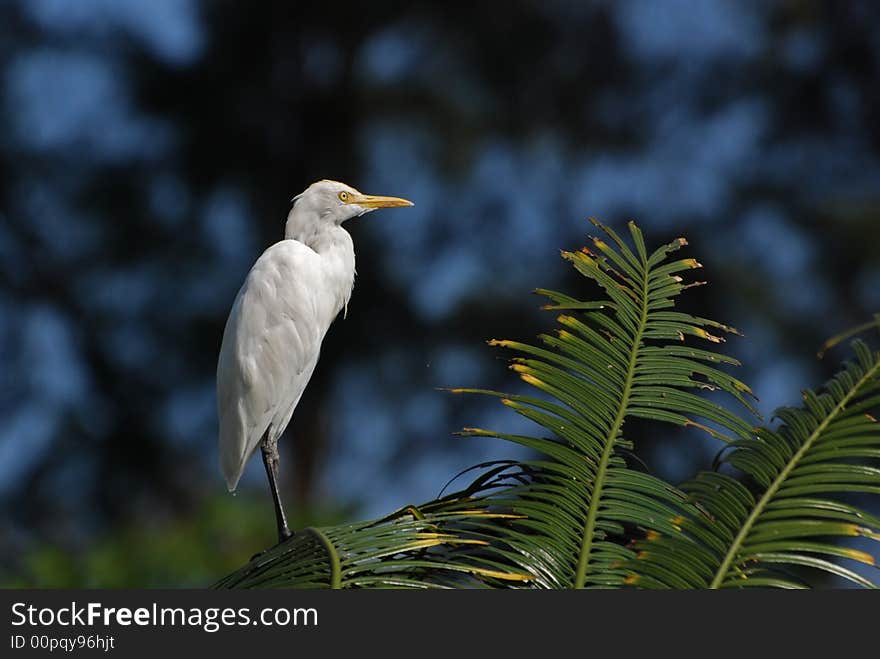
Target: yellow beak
[[376, 201]]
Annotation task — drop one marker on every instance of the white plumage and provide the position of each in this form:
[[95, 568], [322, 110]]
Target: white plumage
[[273, 336], [270, 348]]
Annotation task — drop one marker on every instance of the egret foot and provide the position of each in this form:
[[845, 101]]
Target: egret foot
[[269, 449]]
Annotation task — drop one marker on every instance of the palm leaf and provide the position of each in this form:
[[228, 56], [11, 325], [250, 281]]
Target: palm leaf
[[628, 356], [410, 548], [805, 474]]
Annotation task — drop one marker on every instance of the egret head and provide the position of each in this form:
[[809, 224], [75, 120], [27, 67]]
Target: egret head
[[332, 202]]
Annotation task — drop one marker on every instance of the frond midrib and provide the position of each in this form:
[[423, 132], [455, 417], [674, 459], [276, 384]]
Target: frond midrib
[[768, 495], [332, 555], [608, 452]]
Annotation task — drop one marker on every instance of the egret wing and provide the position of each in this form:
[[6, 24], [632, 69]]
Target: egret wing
[[270, 347]]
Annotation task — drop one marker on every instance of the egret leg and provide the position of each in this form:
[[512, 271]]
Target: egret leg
[[269, 449]]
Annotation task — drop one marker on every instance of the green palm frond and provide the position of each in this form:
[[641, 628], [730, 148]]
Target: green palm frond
[[805, 474], [410, 548], [629, 356]]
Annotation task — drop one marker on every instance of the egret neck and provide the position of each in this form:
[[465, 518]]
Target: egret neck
[[335, 247]]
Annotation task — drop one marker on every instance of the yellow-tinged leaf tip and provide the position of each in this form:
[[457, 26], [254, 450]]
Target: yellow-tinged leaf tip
[[421, 544], [861, 556], [682, 241], [652, 535], [631, 580], [530, 379], [866, 532], [497, 574], [452, 540], [871, 417], [476, 431], [692, 263], [677, 522], [699, 331]]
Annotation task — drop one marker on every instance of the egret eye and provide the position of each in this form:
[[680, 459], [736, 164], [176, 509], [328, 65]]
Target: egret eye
[[343, 196]]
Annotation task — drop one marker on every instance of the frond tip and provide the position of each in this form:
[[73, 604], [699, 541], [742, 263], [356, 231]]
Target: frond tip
[[612, 360], [804, 472]]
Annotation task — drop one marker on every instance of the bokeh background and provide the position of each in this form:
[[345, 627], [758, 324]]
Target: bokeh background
[[148, 152]]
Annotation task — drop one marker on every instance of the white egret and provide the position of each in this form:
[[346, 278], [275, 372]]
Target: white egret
[[273, 336]]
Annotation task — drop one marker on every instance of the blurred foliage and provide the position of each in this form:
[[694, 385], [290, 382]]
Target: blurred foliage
[[171, 552]]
